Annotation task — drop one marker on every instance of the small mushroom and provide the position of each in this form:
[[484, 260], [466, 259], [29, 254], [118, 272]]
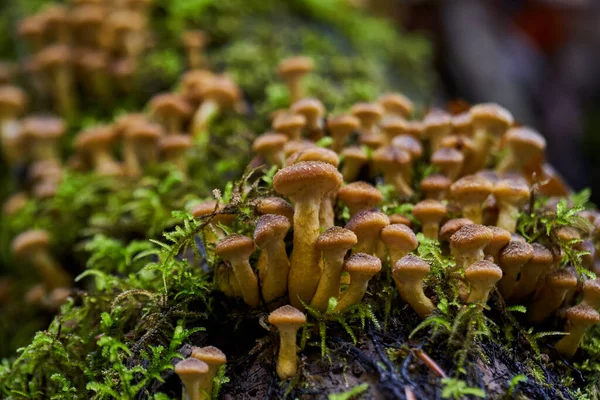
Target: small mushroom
[[215, 359], [451, 227], [551, 294], [449, 161], [334, 243], [367, 225], [393, 127], [462, 124], [437, 125], [140, 149], [275, 205], [287, 320], [13, 102], [361, 267], [430, 213], [490, 121], [273, 263], [194, 41], [512, 258], [538, 266], [482, 276], [525, 147], [219, 93], [591, 293], [237, 250], [511, 195], [171, 111], [292, 70], [290, 124], [409, 273], [194, 374], [270, 146], [399, 240], [173, 149], [359, 196], [369, 115], [470, 192], [580, 318], [340, 128], [353, 159], [436, 186], [313, 110], [467, 244], [394, 163], [56, 60], [44, 133], [396, 104], [96, 143]]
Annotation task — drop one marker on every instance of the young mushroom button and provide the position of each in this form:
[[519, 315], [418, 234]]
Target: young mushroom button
[[367, 225], [482, 276], [359, 196], [215, 359], [237, 250], [305, 183], [361, 267], [193, 373], [399, 240], [408, 274], [579, 318], [334, 243], [288, 320], [430, 213]]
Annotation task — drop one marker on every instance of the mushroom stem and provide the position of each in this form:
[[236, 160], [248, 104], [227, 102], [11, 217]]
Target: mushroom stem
[[567, 346], [288, 320], [275, 281], [507, 217], [362, 267]]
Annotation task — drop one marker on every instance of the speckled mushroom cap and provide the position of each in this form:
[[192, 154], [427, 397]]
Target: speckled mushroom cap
[[362, 265], [368, 223], [447, 157], [429, 210], [583, 314], [483, 271], [315, 154], [396, 103], [515, 253], [471, 187], [436, 120], [194, 38], [399, 235], [541, 255], [336, 238], [222, 90], [292, 67], [512, 191], [491, 115], [471, 236], [564, 278], [410, 267], [452, 226], [268, 142], [344, 123], [389, 157], [500, 238], [287, 316], [175, 143], [210, 355], [269, 227], [29, 241], [275, 205], [307, 178], [13, 100], [311, 108], [435, 182], [235, 246], [46, 127], [394, 126], [367, 113], [410, 144], [190, 368], [354, 153], [462, 124], [360, 195], [91, 138], [525, 138], [170, 104], [208, 207], [591, 292]]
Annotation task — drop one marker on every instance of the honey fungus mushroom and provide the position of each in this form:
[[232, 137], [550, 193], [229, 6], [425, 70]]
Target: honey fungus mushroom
[[399, 240], [361, 267], [430, 213], [194, 374], [359, 196], [579, 318], [482, 276], [367, 225], [287, 320], [215, 359], [292, 70], [237, 249], [409, 273]]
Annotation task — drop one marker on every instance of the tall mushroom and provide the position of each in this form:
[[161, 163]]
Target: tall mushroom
[[467, 244], [96, 143], [287, 320], [436, 186], [13, 101], [215, 359], [490, 121], [409, 273], [361, 267], [430, 214], [237, 250], [359, 196], [313, 110]]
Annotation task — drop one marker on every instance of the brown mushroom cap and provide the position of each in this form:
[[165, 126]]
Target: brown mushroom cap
[[190, 368], [367, 113], [268, 142], [91, 138], [416, 128], [210, 355], [492, 115], [311, 108], [344, 122], [28, 241], [583, 314], [541, 255], [275, 205], [411, 267], [287, 316], [429, 211], [516, 253], [207, 208], [400, 219], [471, 187], [512, 191], [462, 124], [307, 178], [396, 103], [175, 143], [360, 195], [335, 238], [368, 223], [446, 157], [523, 138], [32, 26], [46, 127], [483, 271], [316, 154], [471, 236], [452, 226], [399, 235], [389, 157], [193, 83], [410, 144], [394, 126], [562, 279], [293, 67], [222, 90], [269, 227], [500, 238], [145, 131], [296, 145], [287, 121], [591, 292], [170, 104], [354, 153], [235, 246], [567, 234], [436, 120], [435, 183], [54, 56], [363, 265]]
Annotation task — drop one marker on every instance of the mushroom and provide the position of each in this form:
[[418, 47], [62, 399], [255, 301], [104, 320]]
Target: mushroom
[[400, 219], [140, 149], [580, 318], [512, 258], [287, 320], [462, 124], [171, 111], [292, 70], [44, 133], [194, 374], [451, 227], [32, 246], [409, 273], [369, 115], [273, 263], [435, 186], [396, 104], [192, 84], [305, 183], [437, 125], [591, 293], [525, 147], [511, 195], [57, 60], [399, 240], [449, 161], [467, 244], [490, 121], [430, 213], [215, 359], [353, 159], [367, 225], [340, 127], [551, 294], [500, 238], [194, 41], [13, 102], [88, 20], [270, 146], [275, 205], [289, 124], [482, 276], [173, 149], [359, 196], [313, 110], [96, 143], [334, 243], [361, 267], [395, 164], [392, 127], [470, 192], [538, 266], [237, 250]]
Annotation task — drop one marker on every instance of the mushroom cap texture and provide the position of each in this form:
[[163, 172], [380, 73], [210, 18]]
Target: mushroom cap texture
[[512, 191], [368, 221], [516, 253], [362, 264], [317, 154], [591, 286], [360, 193], [471, 237], [287, 315], [483, 271], [30, 240], [411, 266], [500, 236], [399, 235], [269, 227], [471, 187], [306, 178], [562, 279], [491, 113], [541, 255], [452, 226], [583, 314], [336, 238], [210, 355], [274, 205], [429, 209], [190, 367], [235, 245]]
